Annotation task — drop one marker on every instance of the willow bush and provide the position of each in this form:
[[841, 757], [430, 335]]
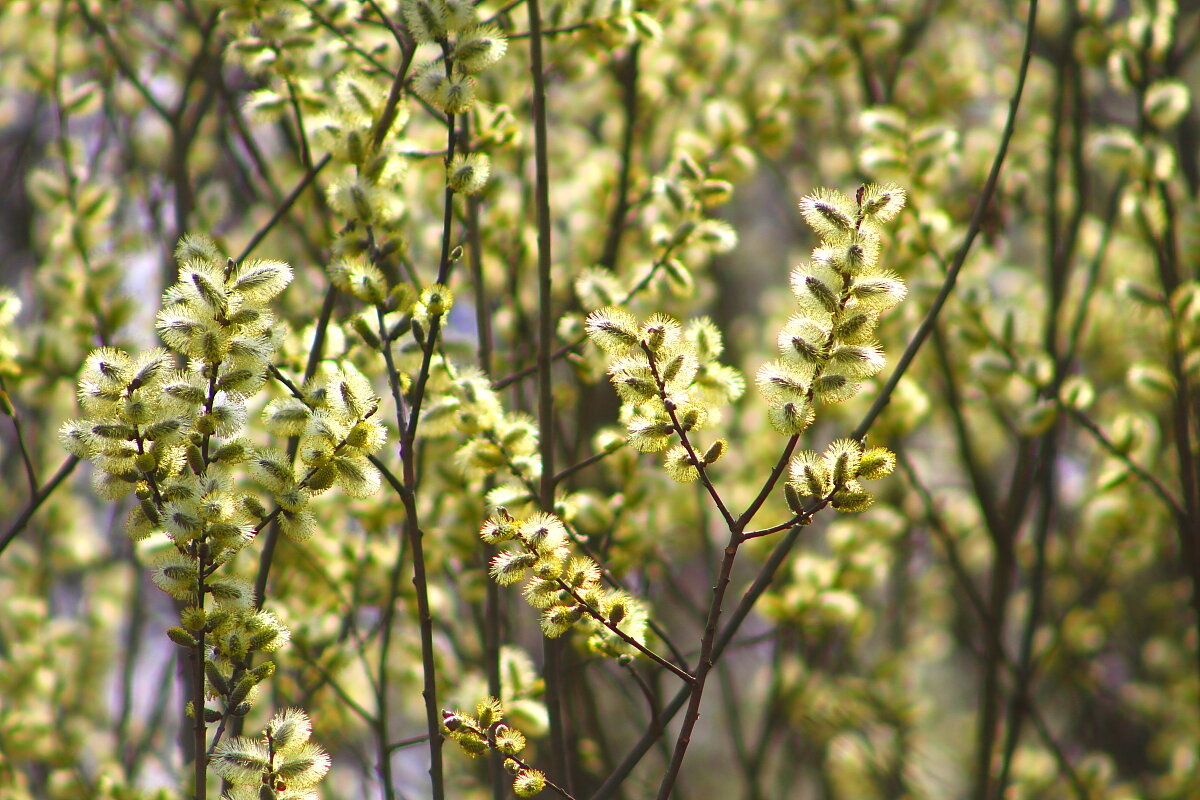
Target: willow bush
[[599, 398]]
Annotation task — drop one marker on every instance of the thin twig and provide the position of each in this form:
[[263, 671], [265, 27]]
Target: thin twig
[[35, 502], [976, 225], [552, 649]]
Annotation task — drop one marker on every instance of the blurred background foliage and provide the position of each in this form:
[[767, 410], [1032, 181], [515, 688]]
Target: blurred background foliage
[[1017, 615]]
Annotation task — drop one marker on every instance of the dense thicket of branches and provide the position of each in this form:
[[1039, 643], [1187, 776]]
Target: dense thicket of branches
[[451, 189]]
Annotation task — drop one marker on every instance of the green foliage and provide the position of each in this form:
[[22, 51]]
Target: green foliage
[[481, 211]]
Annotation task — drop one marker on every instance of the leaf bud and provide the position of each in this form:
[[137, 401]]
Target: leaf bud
[[241, 691], [844, 468], [216, 679], [180, 637], [263, 671], [1038, 418], [655, 337], [489, 712], [233, 452], [683, 233], [688, 167], [356, 147], [1166, 103], [679, 277], [322, 478], [1150, 381], [821, 292], [714, 192], [715, 451], [675, 194], [211, 715], [1142, 294], [253, 506], [150, 510], [438, 299], [850, 501], [1077, 392], [216, 618], [794, 500], [472, 743], [366, 332], [509, 740], [205, 424], [875, 463]]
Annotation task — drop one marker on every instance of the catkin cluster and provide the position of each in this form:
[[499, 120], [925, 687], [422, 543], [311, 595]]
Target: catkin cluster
[[174, 437], [565, 587], [448, 83], [486, 731], [670, 381], [828, 348], [282, 763]]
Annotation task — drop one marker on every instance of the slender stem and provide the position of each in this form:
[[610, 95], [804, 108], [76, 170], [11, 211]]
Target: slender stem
[[627, 73], [282, 210], [199, 730], [35, 502], [407, 421], [697, 461], [768, 486], [973, 229], [315, 354], [131, 647], [979, 605], [595, 458], [27, 462], [1020, 700], [552, 649], [767, 573], [492, 602], [117, 54], [414, 535]]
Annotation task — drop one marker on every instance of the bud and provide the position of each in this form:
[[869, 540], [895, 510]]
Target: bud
[[180, 637], [715, 451], [794, 500]]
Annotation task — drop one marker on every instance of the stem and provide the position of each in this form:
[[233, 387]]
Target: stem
[[976, 225], [199, 731], [627, 73], [26, 461], [35, 502], [491, 606], [959, 569], [552, 649], [282, 210]]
